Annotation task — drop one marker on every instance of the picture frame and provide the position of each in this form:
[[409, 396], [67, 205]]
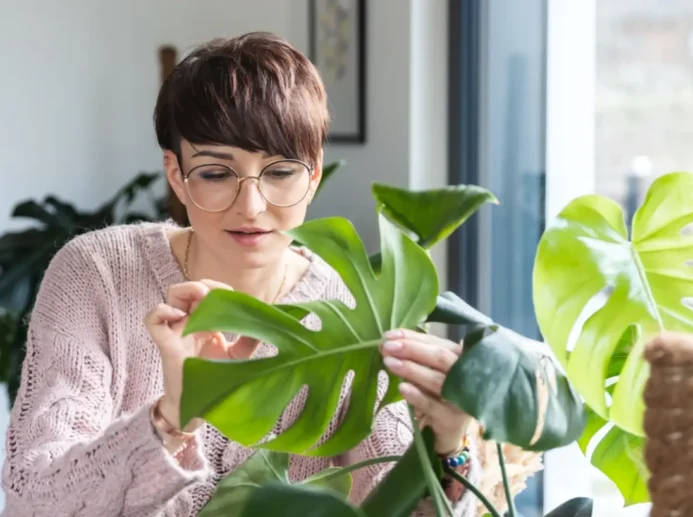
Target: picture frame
[[337, 47]]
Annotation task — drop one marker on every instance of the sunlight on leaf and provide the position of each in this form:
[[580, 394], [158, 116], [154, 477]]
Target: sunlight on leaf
[[587, 250]]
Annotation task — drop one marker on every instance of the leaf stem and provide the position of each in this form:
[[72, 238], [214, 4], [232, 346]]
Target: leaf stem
[[359, 465], [512, 512], [459, 477], [433, 485]]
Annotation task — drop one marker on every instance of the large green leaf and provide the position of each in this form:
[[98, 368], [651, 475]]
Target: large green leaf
[[619, 455], [643, 281], [401, 296], [261, 468], [296, 501], [432, 215], [509, 383]]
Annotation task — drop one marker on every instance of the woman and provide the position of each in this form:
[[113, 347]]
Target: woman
[[94, 429]]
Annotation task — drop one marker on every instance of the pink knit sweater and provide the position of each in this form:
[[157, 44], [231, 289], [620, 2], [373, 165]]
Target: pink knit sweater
[[80, 442]]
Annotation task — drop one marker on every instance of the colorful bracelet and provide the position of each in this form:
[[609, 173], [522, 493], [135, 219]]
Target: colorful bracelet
[[458, 460]]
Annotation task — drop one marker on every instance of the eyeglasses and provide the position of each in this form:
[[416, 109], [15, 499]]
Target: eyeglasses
[[214, 187]]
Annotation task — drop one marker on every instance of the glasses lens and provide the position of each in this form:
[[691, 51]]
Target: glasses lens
[[285, 183], [213, 187]]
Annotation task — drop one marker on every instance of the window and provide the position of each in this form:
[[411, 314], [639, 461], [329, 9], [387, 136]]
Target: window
[[497, 98], [644, 95]]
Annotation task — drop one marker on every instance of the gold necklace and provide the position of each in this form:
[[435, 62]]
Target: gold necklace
[[186, 273]]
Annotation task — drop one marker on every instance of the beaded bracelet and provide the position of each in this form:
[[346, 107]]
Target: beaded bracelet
[[458, 460]]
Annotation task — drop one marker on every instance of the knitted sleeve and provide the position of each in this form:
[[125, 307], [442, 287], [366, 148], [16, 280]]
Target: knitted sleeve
[[67, 453]]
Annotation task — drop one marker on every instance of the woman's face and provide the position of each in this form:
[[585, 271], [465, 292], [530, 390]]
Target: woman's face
[[239, 202]]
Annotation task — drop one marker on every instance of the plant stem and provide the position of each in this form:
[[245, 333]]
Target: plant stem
[[508, 495], [359, 465], [426, 465], [459, 477]]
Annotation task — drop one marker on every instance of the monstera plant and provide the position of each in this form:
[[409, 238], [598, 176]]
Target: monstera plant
[[509, 383], [600, 295]]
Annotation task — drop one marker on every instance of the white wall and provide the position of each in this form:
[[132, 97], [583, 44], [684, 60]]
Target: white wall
[[80, 78]]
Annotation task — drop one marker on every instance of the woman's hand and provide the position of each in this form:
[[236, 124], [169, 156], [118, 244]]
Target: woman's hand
[[423, 361], [165, 324]]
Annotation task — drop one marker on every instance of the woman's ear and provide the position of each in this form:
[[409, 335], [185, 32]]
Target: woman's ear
[[174, 175], [316, 175]]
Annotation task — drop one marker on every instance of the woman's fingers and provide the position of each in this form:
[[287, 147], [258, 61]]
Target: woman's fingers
[[436, 356], [424, 377], [160, 319], [432, 410], [214, 345], [424, 349], [186, 295]]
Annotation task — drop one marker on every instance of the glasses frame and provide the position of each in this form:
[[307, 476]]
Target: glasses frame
[[241, 180]]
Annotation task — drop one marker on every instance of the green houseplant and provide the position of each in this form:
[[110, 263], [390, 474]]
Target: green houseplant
[[498, 379], [600, 295], [25, 255]]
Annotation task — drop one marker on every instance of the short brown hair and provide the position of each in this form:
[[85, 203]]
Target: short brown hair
[[254, 91]]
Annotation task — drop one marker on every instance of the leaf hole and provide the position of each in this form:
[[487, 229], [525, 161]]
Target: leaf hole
[[593, 305], [687, 302]]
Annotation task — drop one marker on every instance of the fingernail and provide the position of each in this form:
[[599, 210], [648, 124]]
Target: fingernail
[[392, 346], [391, 363], [177, 312], [405, 388], [394, 334]]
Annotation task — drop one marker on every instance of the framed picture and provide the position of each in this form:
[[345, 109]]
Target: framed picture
[[338, 50]]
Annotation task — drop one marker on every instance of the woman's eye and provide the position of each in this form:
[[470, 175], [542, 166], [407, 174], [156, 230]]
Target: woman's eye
[[215, 175], [280, 173]]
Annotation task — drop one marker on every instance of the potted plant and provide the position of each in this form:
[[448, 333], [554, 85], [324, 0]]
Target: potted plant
[[522, 392]]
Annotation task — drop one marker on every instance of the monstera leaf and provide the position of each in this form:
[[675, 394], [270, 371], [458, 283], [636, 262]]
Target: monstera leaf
[[262, 468], [244, 399], [262, 487], [619, 455], [431, 215], [291, 501], [509, 383], [587, 270]]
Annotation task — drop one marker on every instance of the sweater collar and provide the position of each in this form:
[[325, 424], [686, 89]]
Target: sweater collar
[[311, 286]]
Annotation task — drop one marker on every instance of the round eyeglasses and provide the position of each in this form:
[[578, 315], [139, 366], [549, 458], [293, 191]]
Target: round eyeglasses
[[214, 187]]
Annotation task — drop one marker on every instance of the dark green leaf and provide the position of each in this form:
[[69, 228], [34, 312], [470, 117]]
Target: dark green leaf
[[398, 494], [233, 491], [297, 501], [400, 297], [11, 278], [62, 208], [32, 210], [432, 215], [453, 310], [327, 480], [510, 384], [577, 507], [17, 242], [264, 467], [328, 171]]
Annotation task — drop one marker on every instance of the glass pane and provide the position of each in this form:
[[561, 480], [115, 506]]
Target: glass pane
[[644, 96], [512, 157]]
